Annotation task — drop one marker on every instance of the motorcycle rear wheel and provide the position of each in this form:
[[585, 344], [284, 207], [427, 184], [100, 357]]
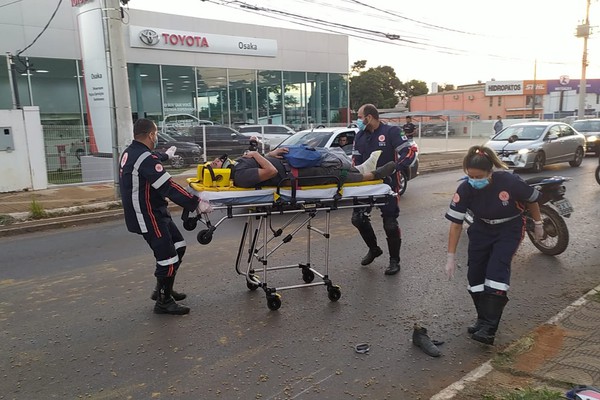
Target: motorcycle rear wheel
[[556, 233], [598, 174]]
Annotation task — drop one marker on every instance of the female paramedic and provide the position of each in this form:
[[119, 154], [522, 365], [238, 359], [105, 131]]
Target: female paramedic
[[496, 199]]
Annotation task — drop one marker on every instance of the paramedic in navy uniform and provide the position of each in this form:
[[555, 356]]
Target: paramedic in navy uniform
[[497, 200], [145, 185], [373, 136]]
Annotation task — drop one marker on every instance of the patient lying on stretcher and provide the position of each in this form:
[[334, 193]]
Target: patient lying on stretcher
[[253, 169]]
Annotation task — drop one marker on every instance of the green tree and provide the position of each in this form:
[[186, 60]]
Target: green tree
[[412, 88], [379, 86]]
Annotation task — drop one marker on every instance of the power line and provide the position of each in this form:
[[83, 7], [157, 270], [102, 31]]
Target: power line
[[43, 30], [12, 2]]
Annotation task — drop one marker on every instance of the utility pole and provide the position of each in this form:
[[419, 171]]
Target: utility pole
[[583, 31], [534, 85]]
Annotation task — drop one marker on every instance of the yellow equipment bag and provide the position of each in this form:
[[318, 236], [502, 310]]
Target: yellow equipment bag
[[210, 176]]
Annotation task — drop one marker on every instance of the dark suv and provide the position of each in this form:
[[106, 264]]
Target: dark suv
[[219, 140], [590, 128]]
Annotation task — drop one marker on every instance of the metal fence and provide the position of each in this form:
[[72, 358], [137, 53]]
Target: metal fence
[[64, 146]]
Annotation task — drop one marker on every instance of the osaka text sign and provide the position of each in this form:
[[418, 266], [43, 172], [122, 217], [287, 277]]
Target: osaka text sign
[[168, 39]]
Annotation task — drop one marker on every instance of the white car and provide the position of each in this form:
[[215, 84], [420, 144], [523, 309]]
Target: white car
[[271, 135]]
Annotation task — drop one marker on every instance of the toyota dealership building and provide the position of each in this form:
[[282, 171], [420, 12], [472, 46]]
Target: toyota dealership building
[[220, 71]]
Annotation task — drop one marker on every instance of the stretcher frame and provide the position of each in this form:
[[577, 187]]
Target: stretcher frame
[[257, 244]]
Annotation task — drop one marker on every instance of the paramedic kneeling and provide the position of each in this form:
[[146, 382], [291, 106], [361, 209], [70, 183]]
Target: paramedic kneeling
[[145, 185], [497, 201], [395, 147]]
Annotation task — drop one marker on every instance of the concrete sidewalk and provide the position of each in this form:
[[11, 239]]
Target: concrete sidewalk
[[557, 355]]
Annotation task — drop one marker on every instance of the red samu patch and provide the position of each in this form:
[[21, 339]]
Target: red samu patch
[[503, 196], [158, 168], [124, 159], [381, 138], [455, 198]]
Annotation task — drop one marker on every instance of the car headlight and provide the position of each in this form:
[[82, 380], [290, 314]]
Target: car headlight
[[592, 138], [524, 151]]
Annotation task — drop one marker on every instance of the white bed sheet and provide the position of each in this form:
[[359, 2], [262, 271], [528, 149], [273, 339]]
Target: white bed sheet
[[235, 197]]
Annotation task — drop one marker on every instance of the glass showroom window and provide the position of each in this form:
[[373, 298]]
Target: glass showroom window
[[296, 116], [23, 92], [212, 99], [269, 98], [6, 98], [242, 96], [338, 99], [144, 89], [179, 90], [317, 97]]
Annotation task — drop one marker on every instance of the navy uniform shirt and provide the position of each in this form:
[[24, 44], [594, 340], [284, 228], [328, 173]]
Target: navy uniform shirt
[[504, 197], [145, 185], [391, 141]]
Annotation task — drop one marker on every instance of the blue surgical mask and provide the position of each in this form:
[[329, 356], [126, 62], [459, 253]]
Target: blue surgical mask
[[361, 125], [479, 183]]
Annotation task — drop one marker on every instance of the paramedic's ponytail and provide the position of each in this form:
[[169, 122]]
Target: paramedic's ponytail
[[483, 158]]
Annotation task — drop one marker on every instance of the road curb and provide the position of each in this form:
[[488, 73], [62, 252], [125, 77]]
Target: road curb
[[451, 391]]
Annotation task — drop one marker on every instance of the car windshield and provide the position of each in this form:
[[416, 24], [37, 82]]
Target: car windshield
[[310, 138], [165, 137], [529, 132], [587, 126]]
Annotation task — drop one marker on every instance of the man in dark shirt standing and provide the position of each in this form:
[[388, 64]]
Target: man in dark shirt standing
[[409, 128], [373, 136], [145, 185]]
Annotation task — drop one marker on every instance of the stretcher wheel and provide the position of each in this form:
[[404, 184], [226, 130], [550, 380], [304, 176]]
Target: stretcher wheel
[[204, 236], [308, 276], [334, 293], [274, 302], [190, 224]]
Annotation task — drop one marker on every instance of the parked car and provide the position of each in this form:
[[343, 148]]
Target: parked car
[[328, 137], [590, 128], [187, 153], [272, 134], [182, 121], [436, 130], [219, 140], [535, 144]]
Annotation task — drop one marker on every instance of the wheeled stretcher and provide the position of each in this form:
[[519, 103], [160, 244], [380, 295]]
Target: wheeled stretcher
[[260, 240]]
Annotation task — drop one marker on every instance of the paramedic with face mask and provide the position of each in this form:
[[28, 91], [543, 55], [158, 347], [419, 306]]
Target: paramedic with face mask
[[145, 185], [497, 200], [375, 136]]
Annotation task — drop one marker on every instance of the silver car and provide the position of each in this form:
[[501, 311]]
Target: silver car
[[535, 144]]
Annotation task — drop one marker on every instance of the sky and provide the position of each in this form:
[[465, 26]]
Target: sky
[[445, 41]]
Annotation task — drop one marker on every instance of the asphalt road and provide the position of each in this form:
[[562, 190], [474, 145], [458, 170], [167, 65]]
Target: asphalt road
[[77, 321]]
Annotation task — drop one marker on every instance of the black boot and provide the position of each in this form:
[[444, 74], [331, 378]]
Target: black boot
[[394, 244], [477, 301], [176, 295], [422, 340], [165, 304], [492, 306], [371, 255]]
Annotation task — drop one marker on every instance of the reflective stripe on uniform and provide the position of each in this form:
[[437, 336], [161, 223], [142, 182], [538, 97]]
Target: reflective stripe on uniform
[[496, 285], [476, 288], [534, 196], [135, 191], [160, 181], [179, 245], [455, 214], [167, 262]]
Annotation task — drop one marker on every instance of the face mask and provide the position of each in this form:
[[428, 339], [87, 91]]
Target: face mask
[[361, 124], [479, 183], [155, 141]]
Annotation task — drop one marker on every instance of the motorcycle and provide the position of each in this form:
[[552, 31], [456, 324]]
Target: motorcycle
[[554, 208]]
